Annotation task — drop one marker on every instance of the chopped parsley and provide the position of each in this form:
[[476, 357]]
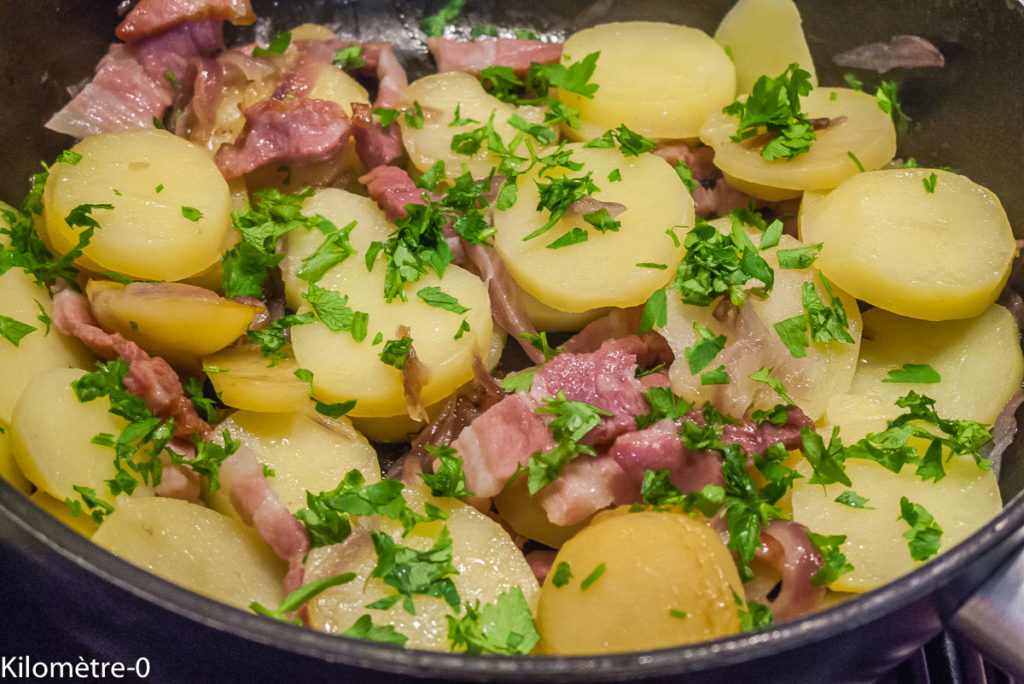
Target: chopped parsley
[[763, 375], [773, 110], [417, 243], [799, 257], [924, 534], [562, 574], [409, 571], [278, 44], [363, 628], [631, 143], [450, 478], [349, 58], [517, 382], [595, 575], [834, 563], [827, 323], [434, 24], [573, 419], [396, 352], [704, 351], [914, 373], [504, 627], [335, 248], [191, 213], [273, 338], [853, 500], [333, 311], [664, 404], [434, 296], [655, 313], [686, 175], [97, 507], [557, 195], [540, 341], [13, 330], [929, 183], [298, 598]]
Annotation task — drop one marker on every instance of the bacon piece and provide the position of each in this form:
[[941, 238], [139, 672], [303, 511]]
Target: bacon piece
[[660, 447], [176, 49], [391, 77], [786, 548], [150, 17], [540, 562], [376, 146], [755, 439], [701, 159], [241, 475], [150, 378], [586, 485], [278, 131], [179, 481], [474, 56], [899, 51], [506, 306], [392, 189], [651, 349]]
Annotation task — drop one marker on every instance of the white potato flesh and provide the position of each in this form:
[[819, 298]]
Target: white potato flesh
[[661, 80], [196, 548], [743, 31], [81, 523], [489, 564], [933, 255], [438, 96], [176, 321], [246, 379], [752, 342], [858, 127], [550, 319], [307, 452], [24, 300], [978, 359], [52, 437], [344, 369], [145, 235], [335, 85], [961, 502], [602, 271]]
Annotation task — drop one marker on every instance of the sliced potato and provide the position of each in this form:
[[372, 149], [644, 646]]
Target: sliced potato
[[9, 469], [608, 268], [550, 319], [335, 85], [978, 359], [752, 342], [344, 369], [196, 548], [176, 321], [660, 80], [858, 127], [961, 502], [524, 514], [307, 452], [246, 379], [52, 437], [38, 351], [933, 255], [630, 571], [82, 523], [489, 564], [171, 206], [743, 31], [438, 96]]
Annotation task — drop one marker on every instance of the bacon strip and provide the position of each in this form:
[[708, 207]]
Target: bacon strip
[[150, 17], [899, 51], [786, 548], [474, 56], [392, 189]]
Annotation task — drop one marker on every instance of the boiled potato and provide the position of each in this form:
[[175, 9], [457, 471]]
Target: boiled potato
[[23, 300], [489, 564], [524, 514], [978, 359], [602, 271], [175, 321], [438, 96], [658, 79], [653, 563], [857, 127], [961, 502], [335, 85], [306, 450], [83, 523], [344, 369], [9, 469], [244, 378], [51, 434], [932, 255], [195, 548], [752, 342], [550, 319], [147, 234], [743, 31]]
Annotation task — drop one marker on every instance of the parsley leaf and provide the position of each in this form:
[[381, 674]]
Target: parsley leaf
[[333, 311], [773, 110], [396, 352], [573, 419], [562, 574], [517, 382], [702, 353], [434, 25], [924, 534], [300, 596], [834, 563], [557, 195], [433, 296], [686, 175], [655, 313], [450, 478], [914, 373], [273, 338], [504, 627], [363, 628], [409, 571], [191, 213], [278, 44], [853, 500], [98, 508], [335, 248], [349, 58], [631, 143], [13, 330], [540, 341], [799, 257], [827, 462], [763, 375], [595, 575], [664, 404]]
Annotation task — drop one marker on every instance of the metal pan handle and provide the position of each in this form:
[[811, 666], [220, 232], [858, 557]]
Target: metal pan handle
[[993, 618]]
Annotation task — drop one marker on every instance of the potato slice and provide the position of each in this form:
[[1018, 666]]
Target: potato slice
[[52, 437], [523, 514], [961, 502], [932, 255], [752, 342], [153, 179], [661, 80], [858, 127], [306, 450], [743, 30], [38, 351], [335, 85], [978, 359], [438, 96], [489, 564], [9, 469], [246, 379], [195, 548], [630, 571], [82, 523], [176, 321], [344, 369], [606, 269], [550, 319]]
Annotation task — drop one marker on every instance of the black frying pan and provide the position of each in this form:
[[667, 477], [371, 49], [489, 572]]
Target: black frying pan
[[969, 115]]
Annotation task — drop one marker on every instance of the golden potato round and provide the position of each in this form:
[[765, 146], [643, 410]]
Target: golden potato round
[[934, 255], [858, 127], [171, 205], [246, 379], [657, 567], [610, 268], [661, 80]]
